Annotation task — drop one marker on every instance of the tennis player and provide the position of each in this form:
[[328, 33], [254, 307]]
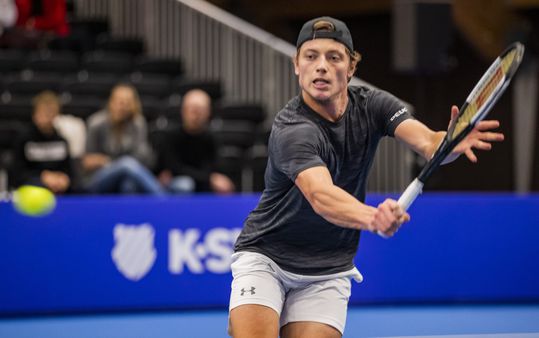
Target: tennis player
[[293, 261]]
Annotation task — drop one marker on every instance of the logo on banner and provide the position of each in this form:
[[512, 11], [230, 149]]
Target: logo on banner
[[188, 249], [134, 251]]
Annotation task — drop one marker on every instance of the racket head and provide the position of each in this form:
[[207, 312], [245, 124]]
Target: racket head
[[487, 91], [479, 102]]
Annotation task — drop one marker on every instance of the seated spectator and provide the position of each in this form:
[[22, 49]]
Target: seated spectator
[[187, 160], [38, 21], [42, 156], [73, 129], [8, 15], [117, 154]]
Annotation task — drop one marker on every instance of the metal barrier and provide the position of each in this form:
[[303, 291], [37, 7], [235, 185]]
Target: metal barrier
[[252, 65]]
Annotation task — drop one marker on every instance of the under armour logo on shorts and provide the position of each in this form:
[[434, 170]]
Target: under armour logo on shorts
[[252, 291]]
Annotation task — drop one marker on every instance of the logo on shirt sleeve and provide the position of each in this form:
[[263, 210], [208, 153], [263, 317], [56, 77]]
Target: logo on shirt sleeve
[[398, 113]]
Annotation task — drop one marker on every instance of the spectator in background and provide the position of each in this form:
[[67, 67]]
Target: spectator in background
[[42, 156], [43, 15], [8, 15], [117, 151], [38, 22], [188, 155]]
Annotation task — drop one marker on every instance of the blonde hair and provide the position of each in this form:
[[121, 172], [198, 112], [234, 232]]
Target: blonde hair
[[323, 25], [137, 103], [46, 97]]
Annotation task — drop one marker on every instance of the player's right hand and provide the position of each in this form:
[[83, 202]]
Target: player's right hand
[[388, 218]]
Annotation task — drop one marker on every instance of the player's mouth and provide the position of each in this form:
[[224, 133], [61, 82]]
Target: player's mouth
[[321, 83]]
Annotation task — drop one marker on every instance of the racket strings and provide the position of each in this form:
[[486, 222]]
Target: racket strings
[[490, 85]]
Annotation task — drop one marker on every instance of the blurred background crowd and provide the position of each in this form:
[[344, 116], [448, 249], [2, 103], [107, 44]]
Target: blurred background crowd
[[82, 111], [95, 97]]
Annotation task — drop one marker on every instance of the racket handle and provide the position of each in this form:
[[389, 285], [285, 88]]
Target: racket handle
[[409, 195]]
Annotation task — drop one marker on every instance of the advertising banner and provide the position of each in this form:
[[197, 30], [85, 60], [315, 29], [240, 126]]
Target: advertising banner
[[101, 254]]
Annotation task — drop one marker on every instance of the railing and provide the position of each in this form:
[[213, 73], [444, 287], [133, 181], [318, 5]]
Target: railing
[[252, 65]]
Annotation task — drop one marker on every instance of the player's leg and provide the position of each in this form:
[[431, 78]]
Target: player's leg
[[253, 321], [309, 330], [256, 298], [317, 309]]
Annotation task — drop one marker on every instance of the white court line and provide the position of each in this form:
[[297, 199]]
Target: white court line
[[494, 335]]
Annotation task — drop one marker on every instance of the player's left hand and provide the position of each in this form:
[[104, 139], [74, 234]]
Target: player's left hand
[[389, 217], [479, 138]]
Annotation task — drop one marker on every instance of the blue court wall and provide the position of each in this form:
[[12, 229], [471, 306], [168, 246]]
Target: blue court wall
[[96, 254]]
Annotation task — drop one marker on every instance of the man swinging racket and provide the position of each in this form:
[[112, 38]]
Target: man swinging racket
[[293, 261]]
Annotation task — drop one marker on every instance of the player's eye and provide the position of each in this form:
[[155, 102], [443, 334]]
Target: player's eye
[[335, 57]]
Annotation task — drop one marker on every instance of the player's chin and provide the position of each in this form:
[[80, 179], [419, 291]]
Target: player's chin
[[321, 96]]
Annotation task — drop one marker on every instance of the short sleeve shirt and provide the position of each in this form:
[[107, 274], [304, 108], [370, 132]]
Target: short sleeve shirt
[[284, 226]]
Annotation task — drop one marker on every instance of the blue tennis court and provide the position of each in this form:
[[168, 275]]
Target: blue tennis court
[[368, 321]]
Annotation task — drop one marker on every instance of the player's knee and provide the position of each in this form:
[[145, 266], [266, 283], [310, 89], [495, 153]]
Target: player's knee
[[253, 321]]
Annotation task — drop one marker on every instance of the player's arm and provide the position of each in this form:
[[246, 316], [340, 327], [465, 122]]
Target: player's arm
[[419, 137], [425, 141], [342, 209]]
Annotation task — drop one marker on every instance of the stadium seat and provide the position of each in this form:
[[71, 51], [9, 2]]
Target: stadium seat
[[11, 60], [155, 85], [83, 35], [94, 26], [81, 105], [171, 107], [10, 131], [239, 134], [244, 112], [15, 108], [152, 107], [132, 46], [230, 161], [90, 84], [257, 159], [31, 83], [169, 67], [107, 62], [52, 61]]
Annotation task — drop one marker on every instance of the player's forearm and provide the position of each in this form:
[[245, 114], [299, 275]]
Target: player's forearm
[[421, 139], [340, 208], [434, 142]]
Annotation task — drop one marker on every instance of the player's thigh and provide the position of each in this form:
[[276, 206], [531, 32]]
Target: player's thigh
[[253, 321], [323, 302], [309, 330], [256, 298]]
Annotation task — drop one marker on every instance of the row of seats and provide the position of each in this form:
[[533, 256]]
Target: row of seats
[[100, 85], [85, 83], [82, 103], [64, 61]]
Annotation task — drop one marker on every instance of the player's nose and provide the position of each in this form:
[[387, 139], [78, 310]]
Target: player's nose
[[322, 65]]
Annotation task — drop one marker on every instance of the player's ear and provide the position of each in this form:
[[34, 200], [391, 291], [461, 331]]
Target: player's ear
[[355, 57], [351, 70], [295, 62]]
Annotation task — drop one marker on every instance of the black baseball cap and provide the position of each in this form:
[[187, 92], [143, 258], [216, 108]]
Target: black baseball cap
[[340, 32]]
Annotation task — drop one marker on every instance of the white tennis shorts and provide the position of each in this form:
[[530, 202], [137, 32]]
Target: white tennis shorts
[[322, 299]]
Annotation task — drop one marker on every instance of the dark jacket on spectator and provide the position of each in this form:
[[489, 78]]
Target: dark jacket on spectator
[[36, 152], [189, 155]]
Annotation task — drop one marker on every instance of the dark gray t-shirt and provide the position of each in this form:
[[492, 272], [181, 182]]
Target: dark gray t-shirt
[[284, 226]]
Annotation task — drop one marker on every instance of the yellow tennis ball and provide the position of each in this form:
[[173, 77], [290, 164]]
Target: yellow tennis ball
[[34, 201]]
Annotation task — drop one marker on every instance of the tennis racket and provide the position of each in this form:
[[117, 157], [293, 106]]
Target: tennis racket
[[482, 98]]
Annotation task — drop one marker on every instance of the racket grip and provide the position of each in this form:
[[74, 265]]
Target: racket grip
[[409, 195]]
